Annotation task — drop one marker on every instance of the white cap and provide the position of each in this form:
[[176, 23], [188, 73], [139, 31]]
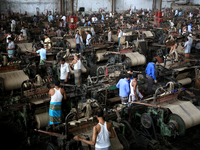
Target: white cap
[[190, 34]]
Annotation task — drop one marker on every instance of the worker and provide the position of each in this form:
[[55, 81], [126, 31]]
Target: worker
[[56, 94], [23, 30], [20, 37], [60, 23], [59, 33], [190, 39], [102, 17], [83, 14], [184, 30], [176, 13], [134, 27], [187, 48], [110, 35], [89, 23], [88, 38], [63, 18], [180, 13], [135, 93], [64, 70], [42, 53], [7, 36], [78, 42], [2, 31], [35, 19], [86, 24], [124, 88], [50, 18], [13, 25], [77, 70], [119, 33], [64, 23], [11, 47], [47, 42], [190, 27], [92, 30], [179, 27], [150, 74], [102, 133], [116, 21], [173, 48]]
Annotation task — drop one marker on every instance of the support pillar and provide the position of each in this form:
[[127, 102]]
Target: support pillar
[[160, 5]]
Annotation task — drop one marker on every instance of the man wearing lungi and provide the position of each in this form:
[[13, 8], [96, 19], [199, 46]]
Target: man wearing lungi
[[77, 70], [56, 94]]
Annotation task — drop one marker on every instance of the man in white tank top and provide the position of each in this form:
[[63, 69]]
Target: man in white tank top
[[77, 70], [56, 94], [135, 93], [102, 133]]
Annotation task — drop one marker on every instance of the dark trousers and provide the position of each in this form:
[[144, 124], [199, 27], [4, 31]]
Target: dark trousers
[[149, 85], [78, 48]]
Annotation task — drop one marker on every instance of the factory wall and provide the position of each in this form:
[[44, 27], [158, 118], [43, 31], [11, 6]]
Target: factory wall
[[90, 5], [30, 6], [95, 5]]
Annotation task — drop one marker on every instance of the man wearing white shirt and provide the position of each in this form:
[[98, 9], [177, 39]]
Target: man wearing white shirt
[[64, 71], [88, 39], [13, 25], [176, 12], [63, 18], [109, 35], [23, 30], [119, 33], [190, 39]]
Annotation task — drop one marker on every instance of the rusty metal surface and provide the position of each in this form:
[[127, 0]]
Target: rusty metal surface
[[52, 133], [167, 98], [37, 91], [10, 68]]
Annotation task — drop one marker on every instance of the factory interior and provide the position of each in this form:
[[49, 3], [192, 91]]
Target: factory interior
[[100, 75]]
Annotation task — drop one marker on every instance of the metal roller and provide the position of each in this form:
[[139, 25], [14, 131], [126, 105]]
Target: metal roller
[[114, 38], [24, 46], [13, 80], [185, 81], [42, 120], [72, 43], [100, 56], [134, 59]]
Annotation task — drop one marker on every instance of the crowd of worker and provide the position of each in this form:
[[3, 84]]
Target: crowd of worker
[[128, 86]]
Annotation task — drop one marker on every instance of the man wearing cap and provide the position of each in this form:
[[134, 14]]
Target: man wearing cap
[[47, 42], [150, 74], [64, 70], [124, 88]]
